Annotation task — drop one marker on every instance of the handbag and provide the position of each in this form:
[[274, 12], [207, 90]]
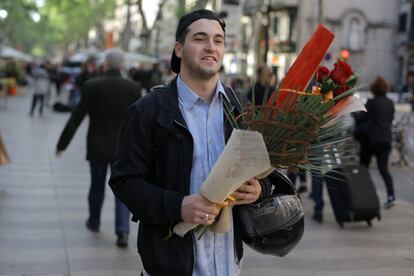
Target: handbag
[[363, 130], [275, 225]]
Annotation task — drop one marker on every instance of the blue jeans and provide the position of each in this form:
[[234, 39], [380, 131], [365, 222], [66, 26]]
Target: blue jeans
[[317, 192], [96, 197]]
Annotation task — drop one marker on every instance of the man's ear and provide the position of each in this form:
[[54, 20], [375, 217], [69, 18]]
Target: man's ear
[[178, 47]]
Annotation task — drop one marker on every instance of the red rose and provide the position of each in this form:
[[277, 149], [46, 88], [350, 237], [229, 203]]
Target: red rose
[[340, 90], [321, 73], [341, 73]]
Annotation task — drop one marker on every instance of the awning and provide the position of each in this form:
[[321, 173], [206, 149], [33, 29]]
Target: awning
[[8, 52]]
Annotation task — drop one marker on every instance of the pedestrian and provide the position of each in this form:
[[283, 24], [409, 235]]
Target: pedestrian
[[88, 71], [105, 99], [317, 196], [292, 175], [169, 142], [373, 130], [168, 75], [317, 190], [261, 86], [41, 86]]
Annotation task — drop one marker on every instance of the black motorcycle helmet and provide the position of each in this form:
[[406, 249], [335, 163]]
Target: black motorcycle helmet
[[275, 225]]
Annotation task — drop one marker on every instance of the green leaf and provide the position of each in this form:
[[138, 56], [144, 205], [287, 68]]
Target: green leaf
[[352, 81]]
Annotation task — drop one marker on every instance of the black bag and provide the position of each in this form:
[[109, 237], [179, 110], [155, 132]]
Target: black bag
[[59, 107], [362, 131], [353, 195], [275, 225]]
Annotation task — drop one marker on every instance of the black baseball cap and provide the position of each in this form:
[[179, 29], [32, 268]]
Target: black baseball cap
[[186, 21]]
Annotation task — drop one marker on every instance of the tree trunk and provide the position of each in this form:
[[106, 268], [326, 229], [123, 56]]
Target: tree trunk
[[201, 4], [100, 33], [126, 32], [146, 32]]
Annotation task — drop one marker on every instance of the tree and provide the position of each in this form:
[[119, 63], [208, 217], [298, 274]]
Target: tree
[[127, 31], [61, 23], [146, 32], [17, 28], [70, 21]]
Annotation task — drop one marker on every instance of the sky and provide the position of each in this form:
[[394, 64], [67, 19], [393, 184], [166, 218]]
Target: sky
[[150, 9]]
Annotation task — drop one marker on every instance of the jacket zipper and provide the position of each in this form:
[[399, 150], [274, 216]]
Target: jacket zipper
[[181, 125], [189, 133], [192, 234]]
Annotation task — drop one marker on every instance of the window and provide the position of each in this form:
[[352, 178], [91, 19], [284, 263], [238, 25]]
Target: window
[[355, 34], [354, 25], [292, 25], [231, 2], [276, 25], [402, 23]]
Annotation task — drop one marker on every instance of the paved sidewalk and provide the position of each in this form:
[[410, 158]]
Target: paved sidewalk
[[43, 208]]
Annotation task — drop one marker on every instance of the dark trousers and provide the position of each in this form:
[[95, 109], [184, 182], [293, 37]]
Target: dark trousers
[[317, 192], [317, 188], [35, 99], [96, 197], [382, 152], [293, 175]]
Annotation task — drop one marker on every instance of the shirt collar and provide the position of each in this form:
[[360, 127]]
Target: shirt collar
[[188, 97]]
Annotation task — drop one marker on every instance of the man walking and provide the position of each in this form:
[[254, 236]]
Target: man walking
[[169, 142], [41, 87], [105, 100]]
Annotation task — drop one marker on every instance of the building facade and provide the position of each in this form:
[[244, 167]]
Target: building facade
[[274, 31], [368, 30], [406, 45]]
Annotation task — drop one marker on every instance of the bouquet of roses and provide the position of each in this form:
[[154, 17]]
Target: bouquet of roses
[[337, 81], [300, 127]]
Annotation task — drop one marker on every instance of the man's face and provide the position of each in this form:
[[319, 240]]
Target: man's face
[[266, 75], [202, 51]]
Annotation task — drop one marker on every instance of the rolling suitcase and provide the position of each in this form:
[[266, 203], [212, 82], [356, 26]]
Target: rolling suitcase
[[352, 194]]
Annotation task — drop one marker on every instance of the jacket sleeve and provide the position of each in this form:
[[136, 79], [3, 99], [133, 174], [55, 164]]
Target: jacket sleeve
[[74, 121], [133, 167]]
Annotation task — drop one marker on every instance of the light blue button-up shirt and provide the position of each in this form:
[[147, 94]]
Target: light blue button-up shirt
[[214, 252]]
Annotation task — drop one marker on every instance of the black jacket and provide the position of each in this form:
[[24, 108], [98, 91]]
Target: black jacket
[[105, 100], [151, 175], [377, 121], [259, 92]]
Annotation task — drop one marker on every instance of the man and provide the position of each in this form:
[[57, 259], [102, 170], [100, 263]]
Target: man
[[105, 100], [168, 144], [261, 86], [41, 85]]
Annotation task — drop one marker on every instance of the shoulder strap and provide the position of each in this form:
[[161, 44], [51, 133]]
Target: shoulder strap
[[157, 92], [233, 98]]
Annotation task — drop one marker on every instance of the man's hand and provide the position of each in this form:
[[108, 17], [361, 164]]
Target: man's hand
[[58, 153], [249, 192], [198, 210]]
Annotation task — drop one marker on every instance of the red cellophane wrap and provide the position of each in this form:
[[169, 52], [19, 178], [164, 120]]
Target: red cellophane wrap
[[304, 67]]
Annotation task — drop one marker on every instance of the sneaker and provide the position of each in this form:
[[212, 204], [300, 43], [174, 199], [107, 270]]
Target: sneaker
[[302, 189], [390, 202], [122, 240]]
